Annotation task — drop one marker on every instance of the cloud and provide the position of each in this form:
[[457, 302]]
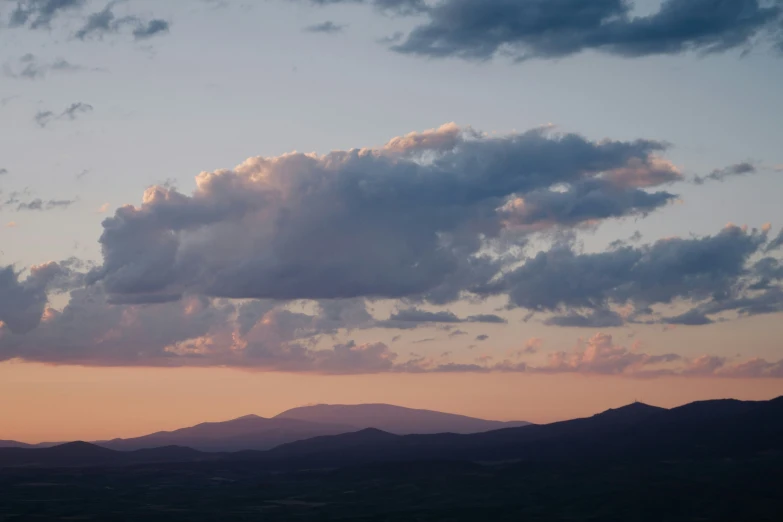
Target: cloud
[[545, 29], [22, 302], [599, 355], [3, 171], [11, 224], [38, 14], [103, 22], [485, 318], [43, 118], [739, 169], [327, 27], [415, 317], [191, 332], [600, 318], [533, 345], [104, 208], [197, 331], [415, 218], [713, 273], [402, 7], [30, 67], [39, 204], [482, 337], [150, 29]]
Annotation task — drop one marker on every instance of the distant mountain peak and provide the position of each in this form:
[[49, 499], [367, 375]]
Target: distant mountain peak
[[634, 411], [248, 417]]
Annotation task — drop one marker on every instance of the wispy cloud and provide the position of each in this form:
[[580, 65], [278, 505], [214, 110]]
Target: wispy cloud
[[43, 118], [327, 27]]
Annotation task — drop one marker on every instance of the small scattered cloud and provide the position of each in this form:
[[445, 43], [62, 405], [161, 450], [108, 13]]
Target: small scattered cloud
[[38, 14], [327, 27], [105, 21], [30, 67], [43, 118], [39, 204], [3, 171], [532, 345], [104, 208], [482, 337], [11, 224], [732, 171], [413, 317], [150, 29]]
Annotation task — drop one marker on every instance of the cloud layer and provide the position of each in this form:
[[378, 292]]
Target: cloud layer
[[554, 29], [273, 264]]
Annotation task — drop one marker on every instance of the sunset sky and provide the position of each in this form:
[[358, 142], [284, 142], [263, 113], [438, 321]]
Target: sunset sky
[[508, 209]]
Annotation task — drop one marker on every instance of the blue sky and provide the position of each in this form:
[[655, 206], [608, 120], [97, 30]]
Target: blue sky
[[234, 80]]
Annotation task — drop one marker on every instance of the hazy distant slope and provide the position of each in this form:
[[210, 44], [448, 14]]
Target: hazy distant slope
[[249, 432], [13, 444], [394, 419]]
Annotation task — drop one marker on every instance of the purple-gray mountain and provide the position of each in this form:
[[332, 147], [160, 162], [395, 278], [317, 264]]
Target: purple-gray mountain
[[258, 433]]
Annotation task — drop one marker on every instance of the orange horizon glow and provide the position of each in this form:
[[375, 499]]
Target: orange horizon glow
[[45, 403]]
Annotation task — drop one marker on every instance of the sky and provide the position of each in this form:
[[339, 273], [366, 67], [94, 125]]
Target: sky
[[512, 209]]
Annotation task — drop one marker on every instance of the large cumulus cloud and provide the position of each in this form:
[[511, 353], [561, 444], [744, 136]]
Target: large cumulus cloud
[[556, 28], [429, 214]]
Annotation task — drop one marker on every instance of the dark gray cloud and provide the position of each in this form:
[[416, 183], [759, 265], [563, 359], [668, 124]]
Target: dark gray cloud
[[150, 29], [3, 171], [38, 14], [739, 169], [482, 337], [554, 29], [327, 27], [714, 274], [411, 219], [414, 317], [22, 302], [43, 118], [485, 318]]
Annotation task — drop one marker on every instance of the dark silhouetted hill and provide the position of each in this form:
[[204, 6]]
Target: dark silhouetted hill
[[637, 431], [85, 454], [394, 419]]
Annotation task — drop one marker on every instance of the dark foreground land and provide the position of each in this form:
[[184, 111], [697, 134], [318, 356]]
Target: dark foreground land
[[746, 489], [704, 461]]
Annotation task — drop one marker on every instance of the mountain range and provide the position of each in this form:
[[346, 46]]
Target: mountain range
[[724, 428], [252, 432]]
